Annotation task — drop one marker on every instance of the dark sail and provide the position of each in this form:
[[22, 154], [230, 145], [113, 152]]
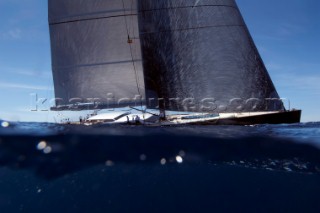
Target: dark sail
[[199, 56], [96, 55]]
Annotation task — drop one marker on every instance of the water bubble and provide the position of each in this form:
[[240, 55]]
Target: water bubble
[[179, 159], [47, 150], [182, 153], [5, 124], [109, 163], [22, 158], [143, 157], [288, 169], [163, 161], [42, 145]]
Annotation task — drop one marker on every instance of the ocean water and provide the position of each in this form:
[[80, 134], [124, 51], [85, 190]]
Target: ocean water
[[60, 168]]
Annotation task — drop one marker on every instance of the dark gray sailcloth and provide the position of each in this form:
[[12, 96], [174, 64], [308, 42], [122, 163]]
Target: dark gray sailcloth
[[199, 56], [96, 55]]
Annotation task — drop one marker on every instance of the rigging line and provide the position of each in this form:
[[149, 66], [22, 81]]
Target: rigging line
[[134, 35], [133, 32], [130, 45], [132, 20]]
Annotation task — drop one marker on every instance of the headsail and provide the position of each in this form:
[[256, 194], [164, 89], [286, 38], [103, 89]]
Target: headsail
[[96, 55], [199, 56]]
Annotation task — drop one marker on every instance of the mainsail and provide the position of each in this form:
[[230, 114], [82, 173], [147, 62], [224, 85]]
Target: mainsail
[[184, 55], [199, 56], [96, 55]]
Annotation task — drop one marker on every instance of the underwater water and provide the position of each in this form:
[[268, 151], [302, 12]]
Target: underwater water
[[266, 168]]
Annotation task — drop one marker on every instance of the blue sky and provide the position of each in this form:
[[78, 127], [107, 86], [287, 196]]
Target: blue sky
[[286, 33]]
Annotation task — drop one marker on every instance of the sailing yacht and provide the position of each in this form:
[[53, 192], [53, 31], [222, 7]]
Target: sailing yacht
[[192, 61]]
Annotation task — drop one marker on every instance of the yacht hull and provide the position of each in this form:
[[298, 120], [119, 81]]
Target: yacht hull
[[286, 117], [245, 118]]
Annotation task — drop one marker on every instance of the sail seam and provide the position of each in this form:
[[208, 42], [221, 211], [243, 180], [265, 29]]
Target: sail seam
[[97, 64], [134, 14], [90, 19], [184, 7], [193, 28]]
